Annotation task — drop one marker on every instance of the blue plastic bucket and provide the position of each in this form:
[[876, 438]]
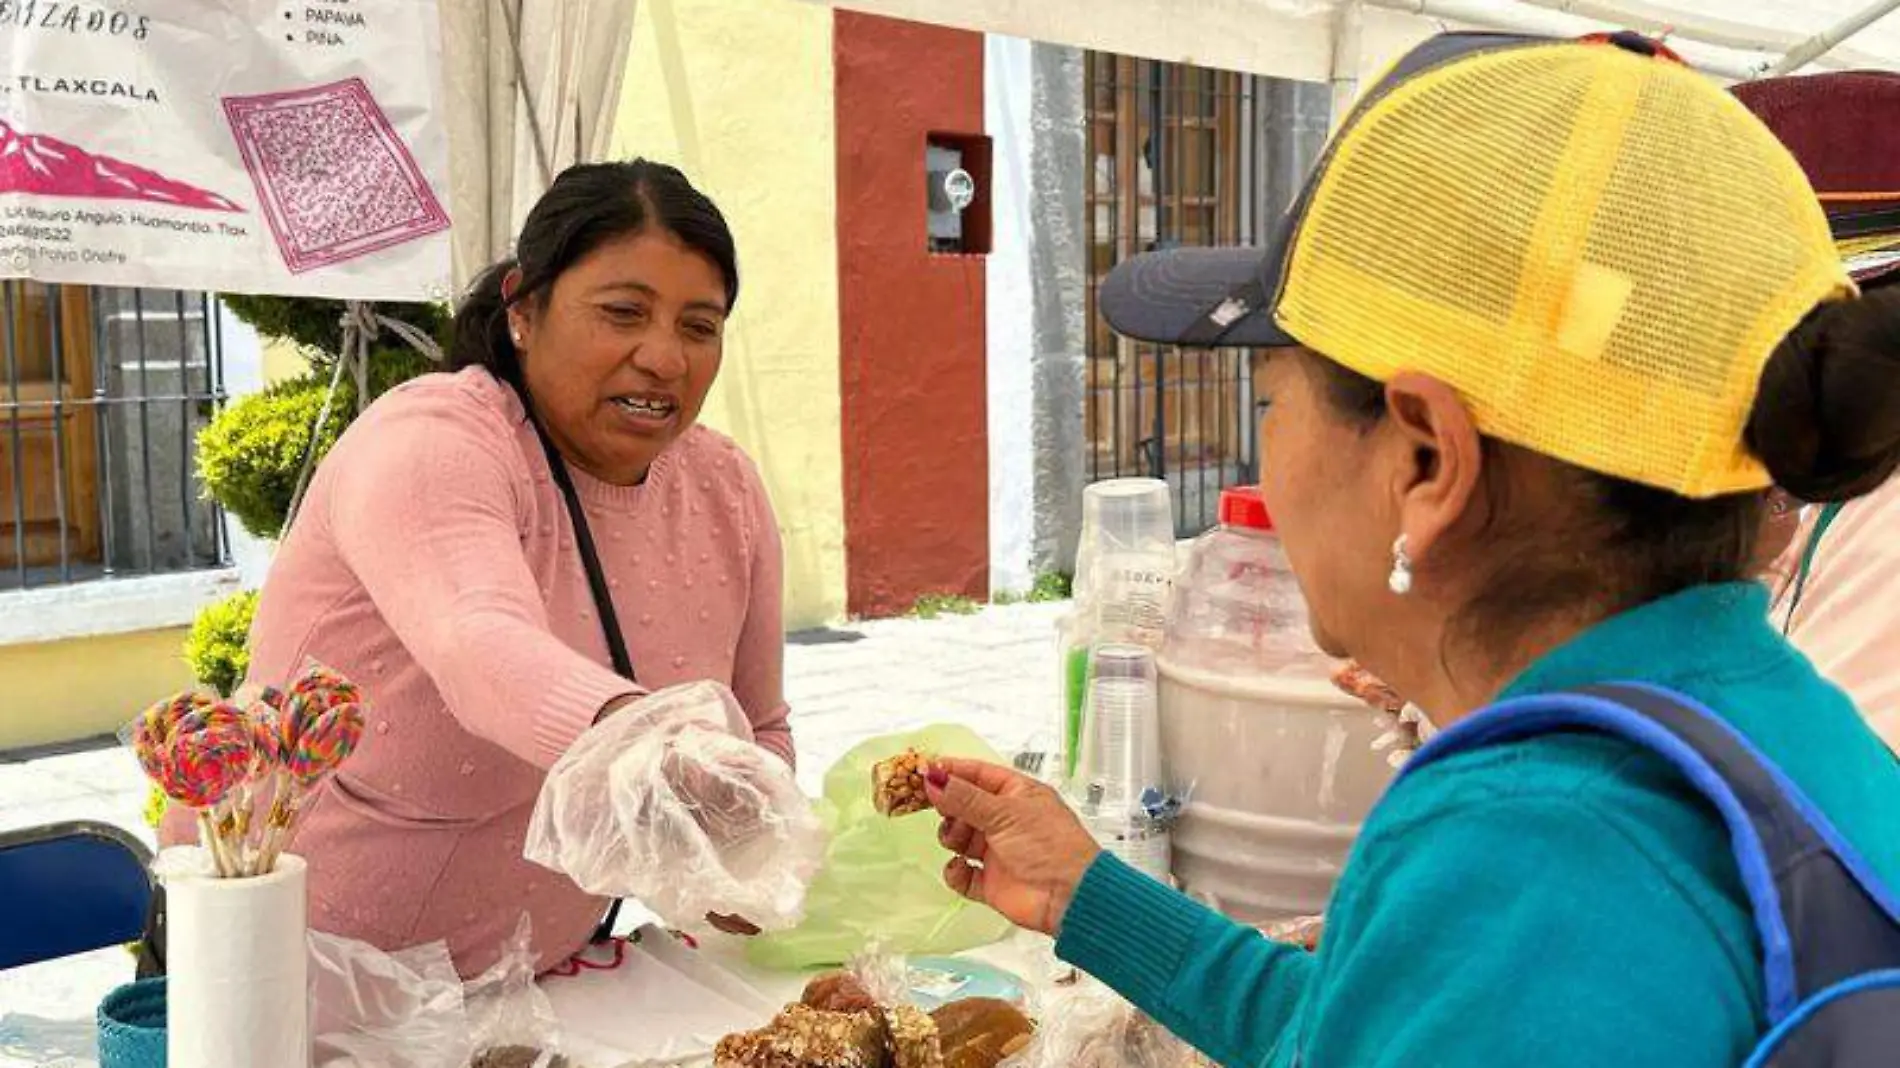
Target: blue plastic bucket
[[132, 1026]]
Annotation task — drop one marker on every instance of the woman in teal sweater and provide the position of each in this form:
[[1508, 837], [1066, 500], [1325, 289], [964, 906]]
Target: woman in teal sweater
[[1515, 335]]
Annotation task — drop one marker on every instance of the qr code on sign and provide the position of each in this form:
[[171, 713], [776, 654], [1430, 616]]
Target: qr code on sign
[[335, 180]]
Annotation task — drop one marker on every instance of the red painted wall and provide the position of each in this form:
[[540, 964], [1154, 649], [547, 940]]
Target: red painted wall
[[916, 452]]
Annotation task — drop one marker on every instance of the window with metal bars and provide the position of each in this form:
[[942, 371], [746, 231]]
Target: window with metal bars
[[102, 395], [1181, 155]]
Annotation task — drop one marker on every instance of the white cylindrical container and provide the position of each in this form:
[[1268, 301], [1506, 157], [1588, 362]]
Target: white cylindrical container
[[1279, 772], [236, 960]]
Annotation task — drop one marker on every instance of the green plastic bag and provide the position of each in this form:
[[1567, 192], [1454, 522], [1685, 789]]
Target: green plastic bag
[[883, 878]]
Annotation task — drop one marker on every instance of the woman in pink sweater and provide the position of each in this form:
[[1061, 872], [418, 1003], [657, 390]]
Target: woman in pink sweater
[[436, 562]]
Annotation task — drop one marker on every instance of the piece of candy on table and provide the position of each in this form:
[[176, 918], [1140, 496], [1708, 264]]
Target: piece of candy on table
[[804, 1037], [897, 784], [915, 1040], [981, 1032], [838, 992]]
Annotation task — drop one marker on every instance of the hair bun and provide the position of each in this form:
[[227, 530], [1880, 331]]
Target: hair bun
[[1827, 420]]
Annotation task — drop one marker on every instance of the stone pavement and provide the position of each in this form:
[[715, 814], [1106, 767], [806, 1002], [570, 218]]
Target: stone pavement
[[995, 672]]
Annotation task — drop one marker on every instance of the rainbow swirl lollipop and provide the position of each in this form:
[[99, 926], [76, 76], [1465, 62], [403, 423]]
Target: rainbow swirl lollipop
[[266, 740], [152, 732], [207, 760], [325, 743], [326, 688]]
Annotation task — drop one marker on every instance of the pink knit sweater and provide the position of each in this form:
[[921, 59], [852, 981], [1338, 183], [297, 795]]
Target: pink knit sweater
[[434, 563]]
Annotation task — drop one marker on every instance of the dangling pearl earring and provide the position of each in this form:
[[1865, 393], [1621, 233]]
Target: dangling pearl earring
[[1400, 581]]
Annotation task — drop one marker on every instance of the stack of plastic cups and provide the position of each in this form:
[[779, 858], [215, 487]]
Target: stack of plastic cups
[[1118, 785], [1124, 569]]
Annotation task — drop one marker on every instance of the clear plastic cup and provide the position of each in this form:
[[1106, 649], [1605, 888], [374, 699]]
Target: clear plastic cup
[[1123, 515], [1120, 766]]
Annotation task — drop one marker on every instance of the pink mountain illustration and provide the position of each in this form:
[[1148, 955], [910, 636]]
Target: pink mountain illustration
[[46, 166]]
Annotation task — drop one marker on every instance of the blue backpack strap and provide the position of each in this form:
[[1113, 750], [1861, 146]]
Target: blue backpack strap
[[1822, 914]]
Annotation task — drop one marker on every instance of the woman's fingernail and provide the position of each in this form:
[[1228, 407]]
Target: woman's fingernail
[[937, 777]]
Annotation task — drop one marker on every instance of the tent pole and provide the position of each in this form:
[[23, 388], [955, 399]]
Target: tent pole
[[1528, 21], [1821, 43], [1347, 31]]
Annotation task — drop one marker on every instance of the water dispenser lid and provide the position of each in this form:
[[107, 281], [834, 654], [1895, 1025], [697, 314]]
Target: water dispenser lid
[[1243, 506]]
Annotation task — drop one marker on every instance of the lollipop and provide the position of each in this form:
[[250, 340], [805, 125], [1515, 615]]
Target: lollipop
[[202, 766], [322, 744], [266, 740], [326, 743], [260, 721], [325, 688], [210, 755], [152, 731]]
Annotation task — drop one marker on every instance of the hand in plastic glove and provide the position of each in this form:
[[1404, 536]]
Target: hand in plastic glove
[[720, 790], [1018, 848]]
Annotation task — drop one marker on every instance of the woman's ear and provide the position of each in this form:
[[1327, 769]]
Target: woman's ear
[[1436, 489]]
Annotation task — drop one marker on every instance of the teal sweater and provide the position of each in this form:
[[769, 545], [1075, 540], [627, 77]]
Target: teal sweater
[[1566, 900]]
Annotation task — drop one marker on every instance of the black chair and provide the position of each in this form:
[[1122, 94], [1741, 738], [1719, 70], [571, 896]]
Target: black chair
[[68, 888]]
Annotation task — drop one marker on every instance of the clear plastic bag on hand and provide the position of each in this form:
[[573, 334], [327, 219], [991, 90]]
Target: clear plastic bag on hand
[[669, 801], [1089, 1026]]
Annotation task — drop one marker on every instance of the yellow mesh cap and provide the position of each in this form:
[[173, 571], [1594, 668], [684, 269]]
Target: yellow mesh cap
[[1598, 249]]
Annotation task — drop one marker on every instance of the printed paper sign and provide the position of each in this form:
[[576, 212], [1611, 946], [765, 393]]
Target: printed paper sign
[[239, 146]]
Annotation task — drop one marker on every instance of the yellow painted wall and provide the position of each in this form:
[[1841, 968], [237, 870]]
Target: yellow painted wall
[[738, 94], [282, 360], [61, 691]]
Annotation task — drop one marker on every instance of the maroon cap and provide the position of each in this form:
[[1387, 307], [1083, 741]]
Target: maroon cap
[[1844, 130]]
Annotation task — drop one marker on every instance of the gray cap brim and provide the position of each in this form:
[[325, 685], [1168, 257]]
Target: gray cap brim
[[1201, 297]]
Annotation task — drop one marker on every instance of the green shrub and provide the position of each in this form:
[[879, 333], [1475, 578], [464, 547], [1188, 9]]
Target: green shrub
[[1050, 586], [250, 454], [218, 646], [155, 804], [317, 325], [936, 605]]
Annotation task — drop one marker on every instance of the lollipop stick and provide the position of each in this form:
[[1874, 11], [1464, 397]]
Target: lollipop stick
[[209, 832], [283, 815]]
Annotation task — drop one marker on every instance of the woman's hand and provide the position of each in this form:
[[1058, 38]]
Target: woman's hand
[[719, 791], [1018, 848]]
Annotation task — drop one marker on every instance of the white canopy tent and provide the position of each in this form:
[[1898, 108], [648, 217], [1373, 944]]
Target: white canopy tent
[[531, 87], [1346, 41]]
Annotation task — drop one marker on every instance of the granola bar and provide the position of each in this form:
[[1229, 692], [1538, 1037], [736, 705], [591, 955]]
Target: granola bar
[[897, 784], [804, 1037], [915, 1041]]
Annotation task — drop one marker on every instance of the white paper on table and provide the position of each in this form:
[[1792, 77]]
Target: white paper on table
[[662, 1006]]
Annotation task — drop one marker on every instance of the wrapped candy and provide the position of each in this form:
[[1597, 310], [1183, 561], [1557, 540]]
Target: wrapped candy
[[1090, 1026], [322, 745], [225, 758], [209, 754]]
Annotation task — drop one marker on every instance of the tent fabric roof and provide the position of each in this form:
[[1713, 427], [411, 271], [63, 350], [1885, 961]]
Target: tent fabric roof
[[1348, 40]]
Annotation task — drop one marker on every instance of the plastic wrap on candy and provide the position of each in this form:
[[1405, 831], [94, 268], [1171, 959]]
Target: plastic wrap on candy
[[1089, 1026], [510, 1019], [669, 801], [370, 1009], [402, 1010]]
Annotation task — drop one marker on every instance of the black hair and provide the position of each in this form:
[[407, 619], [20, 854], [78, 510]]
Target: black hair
[[1826, 424], [587, 206]]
